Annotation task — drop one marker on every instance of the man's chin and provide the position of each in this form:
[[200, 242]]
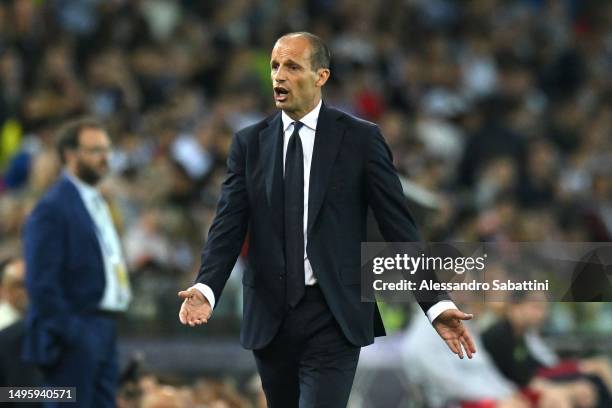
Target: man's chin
[[92, 178], [281, 104]]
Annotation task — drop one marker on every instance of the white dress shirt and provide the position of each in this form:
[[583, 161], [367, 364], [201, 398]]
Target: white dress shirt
[[117, 293], [307, 137]]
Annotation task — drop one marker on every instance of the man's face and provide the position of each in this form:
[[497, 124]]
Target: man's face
[[531, 314], [91, 156], [13, 288], [297, 88]]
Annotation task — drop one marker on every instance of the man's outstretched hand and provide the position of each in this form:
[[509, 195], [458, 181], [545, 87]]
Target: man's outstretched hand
[[449, 326], [195, 309]]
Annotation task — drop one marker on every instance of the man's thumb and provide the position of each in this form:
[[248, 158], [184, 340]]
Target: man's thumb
[[185, 294], [465, 316]]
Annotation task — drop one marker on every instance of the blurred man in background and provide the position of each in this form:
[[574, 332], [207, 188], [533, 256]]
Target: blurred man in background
[[14, 372], [519, 352], [14, 299], [76, 276]]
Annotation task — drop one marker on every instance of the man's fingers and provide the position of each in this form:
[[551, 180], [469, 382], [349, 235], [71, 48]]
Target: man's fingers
[[458, 314], [184, 314], [466, 347], [451, 345], [469, 341], [459, 349], [198, 319], [197, 322], [464, 316], [185, 294]]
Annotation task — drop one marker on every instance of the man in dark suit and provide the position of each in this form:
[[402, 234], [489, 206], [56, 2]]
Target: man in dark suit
[[300, 183], [75, 273]]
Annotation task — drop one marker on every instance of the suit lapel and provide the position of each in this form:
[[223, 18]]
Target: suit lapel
[[328, 137], [271, 147]]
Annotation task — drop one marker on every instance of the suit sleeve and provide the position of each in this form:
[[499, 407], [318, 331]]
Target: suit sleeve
[[44, 253], [386, 198], [228, 230]]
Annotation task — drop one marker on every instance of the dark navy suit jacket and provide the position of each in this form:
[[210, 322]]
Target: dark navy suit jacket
[[64, 272], [351, 170]]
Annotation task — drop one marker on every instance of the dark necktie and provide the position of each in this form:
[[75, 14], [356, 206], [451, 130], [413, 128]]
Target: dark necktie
[[294, 217]]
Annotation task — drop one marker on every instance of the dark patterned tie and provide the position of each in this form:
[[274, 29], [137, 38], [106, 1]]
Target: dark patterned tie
[[294, 217]]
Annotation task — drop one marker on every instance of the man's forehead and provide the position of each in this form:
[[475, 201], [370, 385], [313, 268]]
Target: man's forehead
[[295, 46], [92, 134]]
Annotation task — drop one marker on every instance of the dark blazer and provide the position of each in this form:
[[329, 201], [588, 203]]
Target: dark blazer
[[351, 169], [64, 272]]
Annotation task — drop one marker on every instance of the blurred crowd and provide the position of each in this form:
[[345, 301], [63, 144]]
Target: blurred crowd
[[147, 391], [498, 113]]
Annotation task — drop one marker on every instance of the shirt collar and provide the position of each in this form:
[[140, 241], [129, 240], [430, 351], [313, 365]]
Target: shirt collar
[[309, 120], [86, 191]]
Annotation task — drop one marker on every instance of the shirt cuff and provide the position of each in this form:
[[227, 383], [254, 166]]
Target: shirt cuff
[[207, 292], [437, 309]]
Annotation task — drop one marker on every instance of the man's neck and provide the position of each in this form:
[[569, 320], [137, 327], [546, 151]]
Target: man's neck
[[296, 116]]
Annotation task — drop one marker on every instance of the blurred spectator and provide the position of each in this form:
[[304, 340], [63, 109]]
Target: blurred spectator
[[13, 299], [520, 354], [14, 372], [76, 275], [445, 380]]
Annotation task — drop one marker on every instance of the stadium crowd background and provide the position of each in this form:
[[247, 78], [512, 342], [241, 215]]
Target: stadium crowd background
[[498, 113]]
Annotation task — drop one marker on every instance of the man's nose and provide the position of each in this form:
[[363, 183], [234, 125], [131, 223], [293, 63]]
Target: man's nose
[[279, 76]]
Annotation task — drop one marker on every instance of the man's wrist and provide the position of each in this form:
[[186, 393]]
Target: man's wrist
[[439, 308], [207, 292]]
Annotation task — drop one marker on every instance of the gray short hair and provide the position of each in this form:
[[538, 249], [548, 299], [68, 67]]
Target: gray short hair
[[320, 56]]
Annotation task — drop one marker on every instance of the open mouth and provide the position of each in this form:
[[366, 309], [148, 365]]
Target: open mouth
[[280, 93]]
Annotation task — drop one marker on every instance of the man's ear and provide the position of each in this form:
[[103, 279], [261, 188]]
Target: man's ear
[[322, 76]]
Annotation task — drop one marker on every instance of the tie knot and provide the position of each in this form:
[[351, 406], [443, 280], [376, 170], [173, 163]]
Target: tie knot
[[297, 126]]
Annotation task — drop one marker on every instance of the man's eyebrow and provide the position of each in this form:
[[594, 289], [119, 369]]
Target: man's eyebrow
[[289, 61]]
